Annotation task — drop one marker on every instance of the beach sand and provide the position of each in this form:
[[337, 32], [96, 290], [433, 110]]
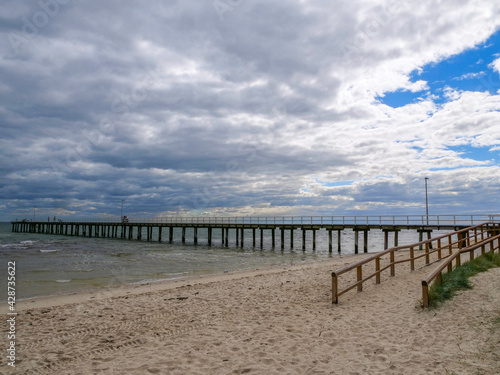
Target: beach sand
[[278, 321]]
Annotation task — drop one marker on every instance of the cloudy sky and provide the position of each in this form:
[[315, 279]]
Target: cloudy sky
[[249, 107]]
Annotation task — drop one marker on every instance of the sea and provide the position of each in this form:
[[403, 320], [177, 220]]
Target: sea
[[56, 264]]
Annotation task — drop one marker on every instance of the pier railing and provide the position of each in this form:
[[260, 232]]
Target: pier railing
[[436, 276], [384, 220], [431, 250]]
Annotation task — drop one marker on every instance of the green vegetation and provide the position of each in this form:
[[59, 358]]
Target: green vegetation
[[458, 279], [497, 319]]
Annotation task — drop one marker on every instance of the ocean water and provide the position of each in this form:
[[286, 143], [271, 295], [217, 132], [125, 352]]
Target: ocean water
[[55, 264]]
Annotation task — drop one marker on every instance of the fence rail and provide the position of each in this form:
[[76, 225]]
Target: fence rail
[[437, 275], [388, 220], [439, 248]]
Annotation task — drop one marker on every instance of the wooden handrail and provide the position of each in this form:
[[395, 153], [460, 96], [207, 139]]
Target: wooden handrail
[[464, 236], [436, 275], [400, 220]]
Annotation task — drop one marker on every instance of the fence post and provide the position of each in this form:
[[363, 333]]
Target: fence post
[[412, 259], [427, 260], [359, 272], [425, 294], [377, 270], [393, 267], [439, 278], [335, 298]]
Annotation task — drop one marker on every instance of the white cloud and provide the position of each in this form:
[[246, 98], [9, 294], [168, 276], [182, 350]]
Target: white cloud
[[495, 65], [451, 94], [175, 110], [470, 76]]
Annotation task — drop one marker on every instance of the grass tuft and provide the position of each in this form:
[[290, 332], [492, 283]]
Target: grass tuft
[[458, 279]]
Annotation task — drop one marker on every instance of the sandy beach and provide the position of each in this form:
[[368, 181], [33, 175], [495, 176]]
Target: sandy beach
[[278, 321]]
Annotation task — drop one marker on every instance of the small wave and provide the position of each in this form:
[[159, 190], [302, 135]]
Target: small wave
[[15, 245], [48, 251], [28, 242], [171, 277], [63, 281]]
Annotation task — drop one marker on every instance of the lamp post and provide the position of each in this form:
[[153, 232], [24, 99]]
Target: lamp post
[[426, 202], [34, 213], [121, 214]]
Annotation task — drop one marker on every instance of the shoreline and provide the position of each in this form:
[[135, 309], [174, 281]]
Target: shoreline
[[151, 287]]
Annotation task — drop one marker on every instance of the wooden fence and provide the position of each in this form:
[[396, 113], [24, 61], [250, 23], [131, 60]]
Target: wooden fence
[[437, 275], [430, 250]]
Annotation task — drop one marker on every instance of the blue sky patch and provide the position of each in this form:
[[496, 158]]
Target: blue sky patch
[[446, 169], [467, 71], [401, 98], [338, 183], [476, 153], [335, 183]]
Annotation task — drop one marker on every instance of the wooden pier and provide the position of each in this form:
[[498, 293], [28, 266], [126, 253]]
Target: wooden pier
[[143, 229]]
